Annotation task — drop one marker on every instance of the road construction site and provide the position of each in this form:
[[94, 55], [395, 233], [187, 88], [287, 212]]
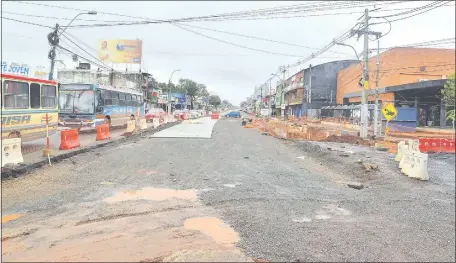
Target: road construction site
[[240, 195]]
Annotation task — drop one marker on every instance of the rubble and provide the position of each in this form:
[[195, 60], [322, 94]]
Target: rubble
[[346, 138], [370, 166], [355, 185]]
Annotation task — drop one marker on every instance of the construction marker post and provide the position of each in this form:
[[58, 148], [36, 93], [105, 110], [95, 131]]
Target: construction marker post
[[47, 150]]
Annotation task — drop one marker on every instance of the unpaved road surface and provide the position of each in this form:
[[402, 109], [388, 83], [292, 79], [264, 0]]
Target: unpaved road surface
[[238, 196]]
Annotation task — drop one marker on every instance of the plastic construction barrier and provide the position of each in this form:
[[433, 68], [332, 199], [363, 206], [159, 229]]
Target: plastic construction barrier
[[142, 124], [401, 146], [131, 126], [436, 145], [69, 139], [215, 116], [103, 132], [11, 151], [156, 122], [414, 164]]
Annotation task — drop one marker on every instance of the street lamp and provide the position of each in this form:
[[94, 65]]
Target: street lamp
[[83, 13], [54, 40], [169, 91]]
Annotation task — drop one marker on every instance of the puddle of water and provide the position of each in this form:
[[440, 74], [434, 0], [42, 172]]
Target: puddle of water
[[151, 193], [214, 228], [10, 217]]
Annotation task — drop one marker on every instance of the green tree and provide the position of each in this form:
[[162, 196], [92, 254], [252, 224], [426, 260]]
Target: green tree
[[192, 89], [214, 100], [449, 97], [165, 87]]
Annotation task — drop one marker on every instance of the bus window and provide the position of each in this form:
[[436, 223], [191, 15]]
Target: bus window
[[134, 98], [16, 95], [128, 100], [35, 102], [48, 95], [122, 99], [107, 97], [99, 99], [115, 98]]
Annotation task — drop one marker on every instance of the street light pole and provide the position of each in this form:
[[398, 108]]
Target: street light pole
[[169, 91], [53, 39]]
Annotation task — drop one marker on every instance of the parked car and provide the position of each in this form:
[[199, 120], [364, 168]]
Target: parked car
[[233, 114], [154, 113]]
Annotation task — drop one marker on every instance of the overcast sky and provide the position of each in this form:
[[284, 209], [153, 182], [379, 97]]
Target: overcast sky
[[229, 71]]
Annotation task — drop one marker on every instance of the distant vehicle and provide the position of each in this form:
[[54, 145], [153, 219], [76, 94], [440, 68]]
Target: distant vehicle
[[89, 105], [24, 104], [154, 113], [233, 114]]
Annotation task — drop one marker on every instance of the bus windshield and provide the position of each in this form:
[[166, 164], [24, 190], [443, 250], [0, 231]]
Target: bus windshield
[[77, 101]]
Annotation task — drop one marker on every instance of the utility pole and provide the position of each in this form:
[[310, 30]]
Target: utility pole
[[270, 97], [364, 107], [282, 95], [53, 39], [309, 98], [376, 115], [169, 91]]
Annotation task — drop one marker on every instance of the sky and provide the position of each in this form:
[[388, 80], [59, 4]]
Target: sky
[[230, 71]]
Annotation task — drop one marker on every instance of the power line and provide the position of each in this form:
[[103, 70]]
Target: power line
[[86, 59], [409, 11], [25, 22], [61, 18], [258, 38], [308, 7], [234, 44], [422, 12], [85, 51]]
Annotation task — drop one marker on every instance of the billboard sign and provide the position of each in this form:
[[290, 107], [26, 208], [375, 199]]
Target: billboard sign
[[120, 51], [15, 68]]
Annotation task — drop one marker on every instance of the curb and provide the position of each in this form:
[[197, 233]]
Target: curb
[[8, 173]]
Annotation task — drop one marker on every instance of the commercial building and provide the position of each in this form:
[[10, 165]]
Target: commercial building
[[312, 88], [410, 78]]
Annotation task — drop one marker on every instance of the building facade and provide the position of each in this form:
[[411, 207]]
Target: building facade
[[407, 77], [309, 90]]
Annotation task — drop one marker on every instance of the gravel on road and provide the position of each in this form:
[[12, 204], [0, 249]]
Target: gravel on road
[[259, 198]]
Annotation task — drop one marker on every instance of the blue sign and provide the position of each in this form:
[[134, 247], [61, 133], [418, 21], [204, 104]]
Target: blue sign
[[15, 68]]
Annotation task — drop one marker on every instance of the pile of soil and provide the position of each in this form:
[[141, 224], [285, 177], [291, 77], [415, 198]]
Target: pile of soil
[[346, 138]]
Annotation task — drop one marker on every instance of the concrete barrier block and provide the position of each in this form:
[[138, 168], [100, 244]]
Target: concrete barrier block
[[11, 151], [400, 150], [415, 164], [131, 125]]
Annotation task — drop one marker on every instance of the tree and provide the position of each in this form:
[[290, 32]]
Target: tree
[[192, 89], [449, 97], [226, 104], [165, 87], [214, 100]]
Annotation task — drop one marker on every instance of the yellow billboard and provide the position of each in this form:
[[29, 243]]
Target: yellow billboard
[[120, 51]]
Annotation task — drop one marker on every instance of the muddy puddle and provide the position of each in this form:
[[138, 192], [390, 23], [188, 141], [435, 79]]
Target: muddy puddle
[[154, 194], [10, 217], [215, 228]]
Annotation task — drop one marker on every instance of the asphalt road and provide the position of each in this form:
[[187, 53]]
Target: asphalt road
[[121, 203]]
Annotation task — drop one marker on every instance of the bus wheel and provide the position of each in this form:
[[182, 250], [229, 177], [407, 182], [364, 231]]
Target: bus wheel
[[14, 134]]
